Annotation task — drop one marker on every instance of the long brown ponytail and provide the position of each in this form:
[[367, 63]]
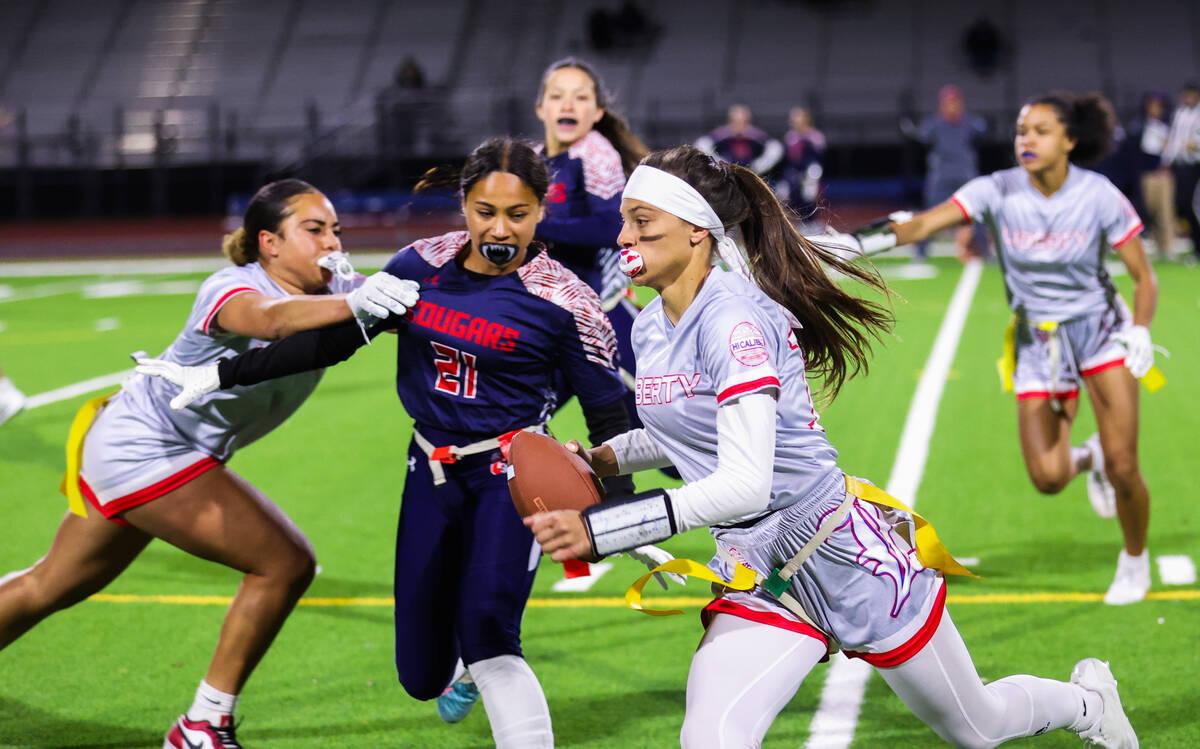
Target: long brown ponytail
[[795, 272]]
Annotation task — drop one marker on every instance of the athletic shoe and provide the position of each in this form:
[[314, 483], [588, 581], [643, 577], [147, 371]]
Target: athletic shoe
[[200, 734], [1112, 730], [1132, 580], [11, 400], [1100, 491], [458, 699]]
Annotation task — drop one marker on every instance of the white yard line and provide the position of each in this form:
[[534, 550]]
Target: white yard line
[[834, 722], [79, 388]]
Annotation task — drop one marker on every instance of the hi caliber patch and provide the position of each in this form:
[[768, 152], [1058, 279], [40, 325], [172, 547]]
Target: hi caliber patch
[[748, 345]]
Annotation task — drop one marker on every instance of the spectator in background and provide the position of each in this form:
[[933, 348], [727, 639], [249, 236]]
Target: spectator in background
[[740, 142], [1146, 140], [403, 111], [951, 161], [803, 148], [1182, 154], [409, 74]]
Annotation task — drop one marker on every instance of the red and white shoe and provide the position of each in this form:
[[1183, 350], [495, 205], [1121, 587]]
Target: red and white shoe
[[200, 734]]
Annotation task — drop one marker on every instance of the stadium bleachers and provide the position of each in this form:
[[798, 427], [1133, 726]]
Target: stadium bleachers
[[258, 79]]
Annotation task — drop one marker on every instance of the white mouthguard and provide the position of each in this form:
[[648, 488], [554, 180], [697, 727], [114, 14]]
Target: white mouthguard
[[631, 262], [339, 263]]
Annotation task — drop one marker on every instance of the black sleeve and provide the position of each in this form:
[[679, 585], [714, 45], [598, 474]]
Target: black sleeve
[[299, 352], [605, 422]]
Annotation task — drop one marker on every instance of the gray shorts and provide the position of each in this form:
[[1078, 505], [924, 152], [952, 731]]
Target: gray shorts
[[129, 458], [863, 585], [1052, 364]]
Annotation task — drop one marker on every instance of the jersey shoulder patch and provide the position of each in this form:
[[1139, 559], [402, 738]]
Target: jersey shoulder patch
[[437, 251], [548, 279], [603, 174]]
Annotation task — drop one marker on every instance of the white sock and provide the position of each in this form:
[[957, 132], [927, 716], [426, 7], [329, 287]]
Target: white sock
[[211, 704], [514, 702]]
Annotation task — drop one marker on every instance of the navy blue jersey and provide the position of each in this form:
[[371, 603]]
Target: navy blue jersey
[[583, 206], [739, 148], [478, 355]]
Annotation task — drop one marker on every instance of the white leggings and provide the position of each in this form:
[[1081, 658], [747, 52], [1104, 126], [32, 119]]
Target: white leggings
[[744, 672]]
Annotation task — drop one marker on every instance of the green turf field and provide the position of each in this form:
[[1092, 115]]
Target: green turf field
[[115, 672]]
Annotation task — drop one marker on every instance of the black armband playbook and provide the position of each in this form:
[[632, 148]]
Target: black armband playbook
[[623, 524], [299, 352]]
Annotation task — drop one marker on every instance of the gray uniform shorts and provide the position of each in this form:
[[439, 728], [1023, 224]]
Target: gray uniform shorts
[[863, 585], [1052, 364]]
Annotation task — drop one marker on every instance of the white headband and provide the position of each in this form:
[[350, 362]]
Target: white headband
[[675, 196]]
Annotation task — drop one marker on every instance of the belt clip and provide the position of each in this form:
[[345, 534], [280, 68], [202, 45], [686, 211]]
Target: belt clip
[[443, 455], [774, 584]]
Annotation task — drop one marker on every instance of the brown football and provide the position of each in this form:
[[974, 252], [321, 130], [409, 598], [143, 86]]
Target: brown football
[[544, 475]]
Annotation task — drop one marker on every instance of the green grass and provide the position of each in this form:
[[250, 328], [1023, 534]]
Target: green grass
[[115, 674]]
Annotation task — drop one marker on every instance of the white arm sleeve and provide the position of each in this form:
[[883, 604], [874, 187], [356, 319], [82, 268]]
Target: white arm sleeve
[[772, 153], [637, 451], [741, 486]]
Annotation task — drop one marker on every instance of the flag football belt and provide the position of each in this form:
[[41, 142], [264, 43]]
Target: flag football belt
[[79, 429], [439, 456], [1153, 380], [930, 553]]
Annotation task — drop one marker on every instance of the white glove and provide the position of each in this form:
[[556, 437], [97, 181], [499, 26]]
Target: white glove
[[845, 246], [380, 295], [1139, 351], [193, 381], [652, 556]]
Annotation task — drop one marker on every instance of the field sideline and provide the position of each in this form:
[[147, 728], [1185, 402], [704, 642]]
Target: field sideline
[[113, 672]]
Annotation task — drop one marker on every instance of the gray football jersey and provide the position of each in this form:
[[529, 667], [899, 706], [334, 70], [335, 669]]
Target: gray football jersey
[[1052, 249], [732, 340], [225, 420]]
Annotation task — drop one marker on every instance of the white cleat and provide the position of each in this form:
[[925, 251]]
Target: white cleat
[[1100, 491], [12, 401], [1112, 730], [1132, 580]]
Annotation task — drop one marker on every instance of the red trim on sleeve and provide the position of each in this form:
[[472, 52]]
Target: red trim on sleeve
[[1101, 367], [1065, 395], [899, 655], [746, 387], [221, 303], [726, 606], [961, 207], [154, 491], [1128, 236]]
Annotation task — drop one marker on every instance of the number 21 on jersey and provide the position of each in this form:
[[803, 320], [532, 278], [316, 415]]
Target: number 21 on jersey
[[456, 372]]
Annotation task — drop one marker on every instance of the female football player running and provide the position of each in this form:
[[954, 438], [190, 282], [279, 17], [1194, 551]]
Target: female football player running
[[499, 324], [722, 359], [1052, 221], [149, 471]]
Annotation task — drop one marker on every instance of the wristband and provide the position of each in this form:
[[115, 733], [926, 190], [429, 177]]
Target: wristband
[[619, 525]]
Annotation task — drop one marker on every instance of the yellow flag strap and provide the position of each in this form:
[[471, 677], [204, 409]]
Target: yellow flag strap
[[743, 579], [1154, 379], [79, 428], [930, 553]]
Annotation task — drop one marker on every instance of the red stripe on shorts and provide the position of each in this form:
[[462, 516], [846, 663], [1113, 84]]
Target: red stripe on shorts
[[726, 606], [1065, 395], [154, 491], [899, 655], [1101, 367]]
